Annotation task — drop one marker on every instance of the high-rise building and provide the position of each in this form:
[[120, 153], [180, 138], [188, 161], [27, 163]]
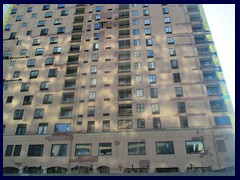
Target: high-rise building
[[113, 88]]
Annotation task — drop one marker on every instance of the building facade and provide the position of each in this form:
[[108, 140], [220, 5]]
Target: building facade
[[113, 88]]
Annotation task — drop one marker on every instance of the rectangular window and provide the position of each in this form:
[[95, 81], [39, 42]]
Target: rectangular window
[[179, 91], [45, 7], [60, 6], [154, 92], [138, 65], [24, 24], [97, 17], [14, 11], [64, 12], [43, 32], [95, 46], [62, 127], [18, 114], [135, 31], [57, 50], [168, 29], [140, 123], [47, 99], [35, 150], [68, 97], [23, 52], [146, 22], [29, 33], [134, 12], [9, 99], [194, 147], [57, 21], [91, 126], [93, 82], [151, 66], [97, 26], [83, 149], [34, 15], [181, 107], [5, 87], [221, 146], [167, 20], [93, 69], [152, 79], [139, 92], [172, 51], [9, 150], [105, 149], [184, 121], [135, 22], [123, 44], [44, 85], [96, 36], [61, 30], [6, 55], [91, 111], [36, 42], [66, 112], [124, 124], [164, 147], [106, 126], [39, 51], [8, 27], [136, 148], [214, 89], [19, 18], [39, 113], [48, 14], [170, 40], [139, 79], [59, 150], [16, 74], [17, 150], [95, 57], [21, 129], [27, 100], [146, 12], [136, 42], [140, 108], [137, 53], [12, 36], [42, 128], [92, 96], [25, 87], [165, 10], [150, 54], [148, 31], [19, 42], [41, 23], [176, 77], [98, 8], [149, 42], [53, 72], [222, 121], [156, 123], [174, 64], [12, 63], [218, 106], [49, 61], [155, 108]]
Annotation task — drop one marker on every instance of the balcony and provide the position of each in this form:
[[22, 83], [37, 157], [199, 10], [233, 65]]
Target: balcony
[[203, 50], [123, 6], [124, 68], [76, 38], [124, 44], [193, 8], [124, 14], [197, 28], [69, 84], [77, 28], [124, 24], [125, 110], [72, 59], [80, 11], [123, 55], [67, 98], [78, 19], [206, 62], [210, 76], [74, 48], [124, 94], [195, 18], [124, 81], [200, 39], [71, 71], [214, 90], [124, 33]]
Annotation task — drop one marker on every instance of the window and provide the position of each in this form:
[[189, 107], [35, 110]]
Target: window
[[33, 74], [21, 129], [19, 18], [138, 78], [6, 55], [27, 100], [66, 112], [39, 113], [106, 126], [14, 11], [98, 8], [17, 150], [57, 50], [44, 85], [146, 21], [170, 40], [44, 32], [19, 42], [137, 53], [83, 149], [59, 150], [61, 6], [62, 127], [167, 20], [139, 92], [53, 72], [218, 106], [154, 92], [164, 147], [136, 148], [93, 69], [210, 76], [49, 61], [136, 42], [61, 30], [155, 108], [176, 77], [156, 123], [95, 57], [9, 99], [91, 111], [136, 32], [34, 15], [47, 99], [140, 123], [46, 7], [221, 146], [151, 66], [123, 44], [172, 51], [140, 108], [97, 26], [138, 65], [152, 79], [174, 64], [179, 91], [222, 121], [93, 82], [134, 12], [18, 114], [48, 14], [150, 54], [135, 22], [68, 97], [25, 87], [92, 96], [36, 42], [8, 27], [53, 40], [97, 17], [39, 51], [124, 124], [64, 12], [23, 52], [13, 35], [42, 128], [16, 74], [181, 107], [12, 63], [165, 10], [57, 21], [105, 149], [183, 121], [29, 33], [148, 42], [194, 147], [41, 23], [168, 29], [214, 89], [146, 12], [91, 127], [95, 46], [35, 150], [134, 5], [9, 150], [96, 36], [148, 31]]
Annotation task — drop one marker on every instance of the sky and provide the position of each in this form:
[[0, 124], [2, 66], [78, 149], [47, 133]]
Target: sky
[[221, 20]]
